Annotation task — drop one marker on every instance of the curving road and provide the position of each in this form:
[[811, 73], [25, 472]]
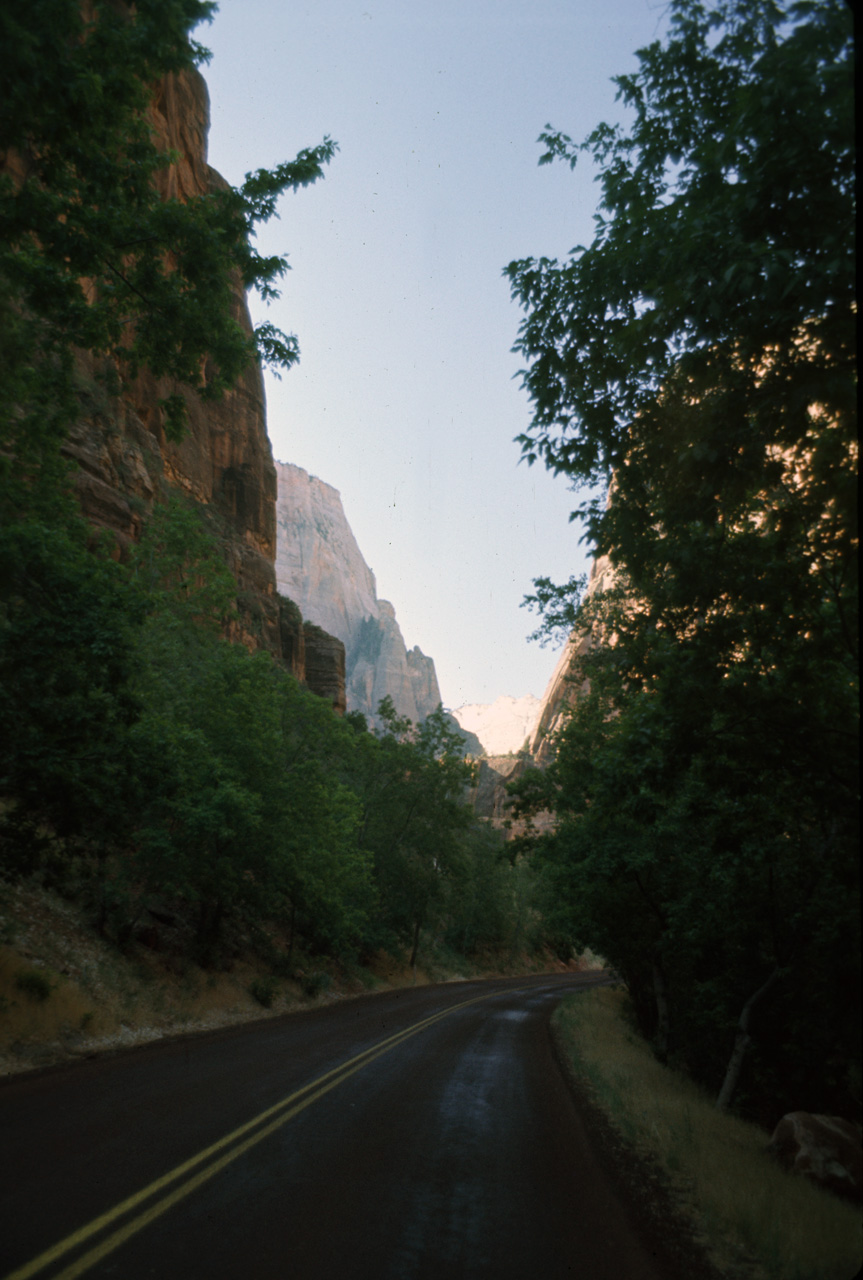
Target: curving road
[[420, 1133]]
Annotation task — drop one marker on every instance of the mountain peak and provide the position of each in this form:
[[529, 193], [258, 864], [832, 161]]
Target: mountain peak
[[503, 725]]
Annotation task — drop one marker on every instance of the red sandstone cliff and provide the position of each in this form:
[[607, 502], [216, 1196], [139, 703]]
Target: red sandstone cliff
[[224, 461]]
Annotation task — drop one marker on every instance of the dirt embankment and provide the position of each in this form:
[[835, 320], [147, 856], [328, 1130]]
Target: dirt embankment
[[66, 992]]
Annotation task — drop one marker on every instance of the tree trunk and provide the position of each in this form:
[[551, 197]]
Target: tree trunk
[[742, 1042], [415, 949], [291, 934], [660, 992]]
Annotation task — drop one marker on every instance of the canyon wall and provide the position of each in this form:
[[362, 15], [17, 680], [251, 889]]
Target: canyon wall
[[223, 463], [565, 684], [320, 566], [489, 796]]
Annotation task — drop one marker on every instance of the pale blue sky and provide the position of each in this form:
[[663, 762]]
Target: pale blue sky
[[404, 399]]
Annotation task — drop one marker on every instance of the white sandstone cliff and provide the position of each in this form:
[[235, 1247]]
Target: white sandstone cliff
[[320, 567], [502, 726]]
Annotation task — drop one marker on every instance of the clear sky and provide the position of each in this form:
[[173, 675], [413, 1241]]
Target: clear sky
[[405, 398]]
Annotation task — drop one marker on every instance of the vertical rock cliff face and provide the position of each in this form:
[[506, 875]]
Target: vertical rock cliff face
[[224, 462], [319, 564], [565, 684], [489, 798]]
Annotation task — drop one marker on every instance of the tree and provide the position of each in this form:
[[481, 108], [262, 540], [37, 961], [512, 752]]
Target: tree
[[241, 810], [723, 257], [411, 782], [67, 622], [699, 355]]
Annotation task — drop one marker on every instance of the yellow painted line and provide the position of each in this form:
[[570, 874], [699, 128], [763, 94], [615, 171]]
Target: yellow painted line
[[300, 1099]]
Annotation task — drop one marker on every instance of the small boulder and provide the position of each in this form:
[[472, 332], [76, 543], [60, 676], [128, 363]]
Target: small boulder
[[826, 1149]]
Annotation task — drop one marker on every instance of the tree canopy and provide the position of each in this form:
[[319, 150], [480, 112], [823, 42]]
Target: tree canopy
[[699, 357]]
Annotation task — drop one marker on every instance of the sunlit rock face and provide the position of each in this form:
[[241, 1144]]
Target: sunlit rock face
[[320, 566], [503, 726], [224, 462], [565, 684]]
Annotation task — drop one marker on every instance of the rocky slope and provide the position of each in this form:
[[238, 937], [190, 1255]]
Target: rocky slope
[[224, 463], [320, 566]]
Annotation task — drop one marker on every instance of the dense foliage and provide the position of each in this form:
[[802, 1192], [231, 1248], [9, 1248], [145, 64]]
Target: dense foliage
[[700, 356], [147, 763]]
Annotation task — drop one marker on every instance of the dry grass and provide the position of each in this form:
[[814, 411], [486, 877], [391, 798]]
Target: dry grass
[[754, 1218], [97, 997]]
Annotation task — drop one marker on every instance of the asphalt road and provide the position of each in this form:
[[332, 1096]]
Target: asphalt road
[[421, 1133]]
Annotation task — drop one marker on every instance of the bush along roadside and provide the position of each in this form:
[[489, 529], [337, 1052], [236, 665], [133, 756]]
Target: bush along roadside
[[753, 1218]]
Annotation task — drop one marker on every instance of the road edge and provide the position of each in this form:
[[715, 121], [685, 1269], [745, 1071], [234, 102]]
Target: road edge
[[638, 1180]]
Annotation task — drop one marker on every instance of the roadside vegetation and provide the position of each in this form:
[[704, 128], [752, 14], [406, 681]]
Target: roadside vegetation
[[754, 1219], [68, 992], [194, 799], [693, 371]]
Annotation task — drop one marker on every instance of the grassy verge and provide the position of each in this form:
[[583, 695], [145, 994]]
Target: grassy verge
[[753, 1218]]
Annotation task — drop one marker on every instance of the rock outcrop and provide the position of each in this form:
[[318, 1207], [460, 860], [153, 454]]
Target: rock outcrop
[[320, 566], [325, 665], [224, 463], [490, 799], [489, 796], [825, 1149]]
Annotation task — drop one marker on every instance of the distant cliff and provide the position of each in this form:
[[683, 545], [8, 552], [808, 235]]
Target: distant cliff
[[503, 726], [489, 798], [320, 566]]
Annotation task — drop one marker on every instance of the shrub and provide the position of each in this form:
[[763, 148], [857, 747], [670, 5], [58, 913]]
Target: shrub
[[34, 984], [264, 990], [315, 983]]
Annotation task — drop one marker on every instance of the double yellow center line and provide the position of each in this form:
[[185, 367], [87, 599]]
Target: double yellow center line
[[181, 1181]]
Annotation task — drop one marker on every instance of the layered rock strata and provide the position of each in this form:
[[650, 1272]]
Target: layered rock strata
[[320, 565]]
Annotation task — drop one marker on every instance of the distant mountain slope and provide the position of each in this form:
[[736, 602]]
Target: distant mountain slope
[[503, 725], [321, 568]]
